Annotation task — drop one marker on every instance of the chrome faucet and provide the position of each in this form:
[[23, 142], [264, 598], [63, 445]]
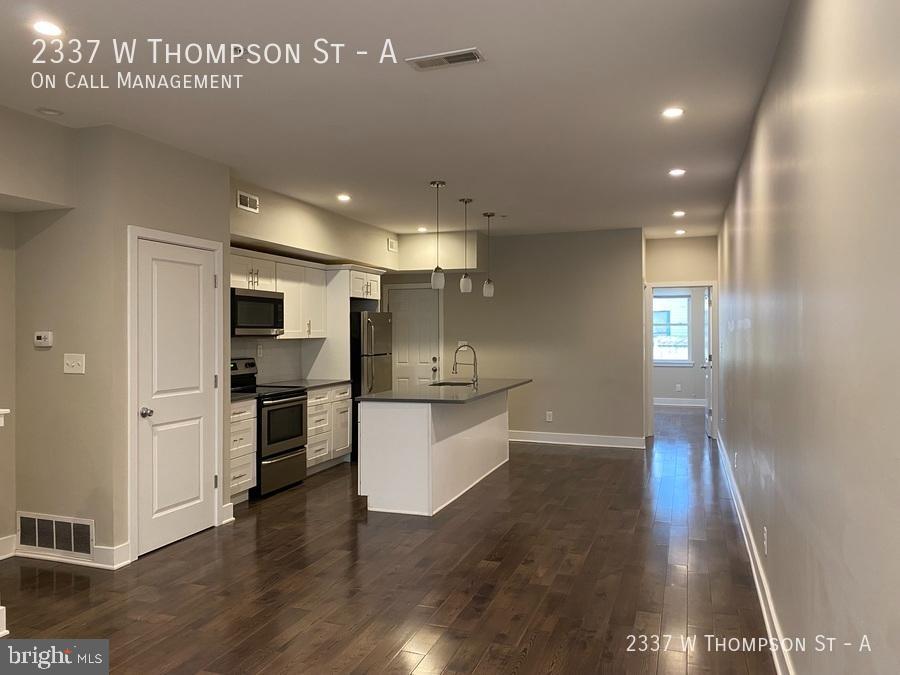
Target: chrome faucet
[[474, 364]]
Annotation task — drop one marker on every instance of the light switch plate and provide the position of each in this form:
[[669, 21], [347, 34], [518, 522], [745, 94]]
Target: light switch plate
[[73, 364]]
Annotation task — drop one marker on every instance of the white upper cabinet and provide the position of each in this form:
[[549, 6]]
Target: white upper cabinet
[[253, 273], [374, 288], [304, 300], [289, 280], [365, 285], [358, 283], [242, 271], [265, 275], [314, 314]]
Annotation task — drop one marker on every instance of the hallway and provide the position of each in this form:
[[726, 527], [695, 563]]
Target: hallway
[[548, 565]]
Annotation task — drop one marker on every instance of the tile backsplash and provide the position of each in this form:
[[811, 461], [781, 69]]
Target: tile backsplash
[[280, 359]]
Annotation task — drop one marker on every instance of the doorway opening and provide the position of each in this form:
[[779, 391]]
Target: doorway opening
[[681, 350]]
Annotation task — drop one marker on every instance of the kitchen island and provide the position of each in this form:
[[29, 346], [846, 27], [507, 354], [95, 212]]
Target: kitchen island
[[423, 447]]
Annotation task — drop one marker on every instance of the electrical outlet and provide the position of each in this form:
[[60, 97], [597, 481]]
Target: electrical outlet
[[73, 364], [259, 350], [735, 460], [678, 387], [548, 416], [765, 540]]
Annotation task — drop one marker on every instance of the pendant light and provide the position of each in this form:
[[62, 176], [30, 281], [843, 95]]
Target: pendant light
[[465, 281], [487, 290], [437, 275]]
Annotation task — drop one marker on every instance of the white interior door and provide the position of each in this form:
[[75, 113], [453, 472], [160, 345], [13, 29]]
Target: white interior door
[[708, 379], [416, 335], [176, 365]]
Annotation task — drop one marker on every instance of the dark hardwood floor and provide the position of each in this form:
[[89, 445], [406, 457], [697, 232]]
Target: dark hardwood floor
[[546, 566]]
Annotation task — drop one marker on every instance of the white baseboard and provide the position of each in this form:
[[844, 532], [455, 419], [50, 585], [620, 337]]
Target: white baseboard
[[784, 664], [105, 557], [3, 631], [225, 514], [689, 402], [592, 440], [7, 546]]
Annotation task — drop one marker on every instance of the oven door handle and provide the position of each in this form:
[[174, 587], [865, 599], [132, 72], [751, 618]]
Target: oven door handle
[[266, 462], [285, 400]]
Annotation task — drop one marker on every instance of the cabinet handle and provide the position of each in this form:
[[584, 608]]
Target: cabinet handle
[[256, 283], [309, 327], [240, 475], [249, 277]]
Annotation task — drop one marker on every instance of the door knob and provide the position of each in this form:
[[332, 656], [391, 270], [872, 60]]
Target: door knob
[[146, 412]]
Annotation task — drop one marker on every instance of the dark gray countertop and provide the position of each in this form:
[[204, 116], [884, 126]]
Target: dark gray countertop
[[237, 397], [424, 393], [309, 384]]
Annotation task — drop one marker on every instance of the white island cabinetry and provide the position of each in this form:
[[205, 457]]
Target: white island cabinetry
[[420, 450]]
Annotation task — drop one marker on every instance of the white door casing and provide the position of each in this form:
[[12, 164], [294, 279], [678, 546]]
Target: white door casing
[[416, 335], [176, 363], [708, 365]]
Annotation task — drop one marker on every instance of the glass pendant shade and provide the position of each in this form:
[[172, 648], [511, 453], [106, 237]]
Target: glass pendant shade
[[488, 289], [465, 283], [437, 279]]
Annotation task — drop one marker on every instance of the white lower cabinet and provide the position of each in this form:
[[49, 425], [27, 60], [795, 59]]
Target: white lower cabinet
[[242, 453], [340, 428], [328, 424]]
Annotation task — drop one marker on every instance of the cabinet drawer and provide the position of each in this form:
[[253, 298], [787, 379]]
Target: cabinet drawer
[[243, 410], [340, 392], [243, 473], [317, 396], [243, 437], [318, 419], [318, 449]]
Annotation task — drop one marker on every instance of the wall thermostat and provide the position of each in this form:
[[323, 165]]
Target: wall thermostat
[[43, 338]]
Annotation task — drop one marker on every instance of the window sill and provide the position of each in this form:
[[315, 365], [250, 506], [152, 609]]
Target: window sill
[[674, 364]]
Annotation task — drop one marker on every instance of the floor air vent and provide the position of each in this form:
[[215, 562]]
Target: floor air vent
[[454, 58], [72, 537]]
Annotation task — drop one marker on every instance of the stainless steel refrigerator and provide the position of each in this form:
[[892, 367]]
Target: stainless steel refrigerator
[[371, 357]]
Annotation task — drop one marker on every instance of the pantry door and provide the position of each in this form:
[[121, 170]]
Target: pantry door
[[176, 398]]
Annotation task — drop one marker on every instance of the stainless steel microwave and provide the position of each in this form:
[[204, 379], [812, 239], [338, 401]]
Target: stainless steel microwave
[[256, 312]]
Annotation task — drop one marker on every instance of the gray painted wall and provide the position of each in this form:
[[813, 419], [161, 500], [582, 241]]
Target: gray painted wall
[[684, 259], [809, 331], [72, 279], [567, 312], [8, 374]]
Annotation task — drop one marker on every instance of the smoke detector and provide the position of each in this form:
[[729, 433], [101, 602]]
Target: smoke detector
[[454, 58]]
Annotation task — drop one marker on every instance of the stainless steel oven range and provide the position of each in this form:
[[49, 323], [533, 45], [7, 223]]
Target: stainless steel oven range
[[280, 428]]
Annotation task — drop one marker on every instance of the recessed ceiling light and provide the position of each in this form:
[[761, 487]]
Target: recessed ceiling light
[[47, 28], [49, 112], [677, 173], [678, 214], [343, 197], [680, 232], [422, 229], [673, 113]]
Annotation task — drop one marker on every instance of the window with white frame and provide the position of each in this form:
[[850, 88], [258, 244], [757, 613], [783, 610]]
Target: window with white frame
[[672, 329]]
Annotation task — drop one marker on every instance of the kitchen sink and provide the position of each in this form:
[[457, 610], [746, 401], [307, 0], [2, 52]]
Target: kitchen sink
[[451, 383]]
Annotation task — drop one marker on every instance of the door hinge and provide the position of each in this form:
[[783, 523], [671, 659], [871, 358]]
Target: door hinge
[[216, 481], [215, 280], [215, 381]]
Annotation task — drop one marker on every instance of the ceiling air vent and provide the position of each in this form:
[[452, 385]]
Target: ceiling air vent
[[247, 202], [454, 58]]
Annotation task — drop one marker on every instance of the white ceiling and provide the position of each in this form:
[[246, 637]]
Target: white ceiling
[[559, 127]]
